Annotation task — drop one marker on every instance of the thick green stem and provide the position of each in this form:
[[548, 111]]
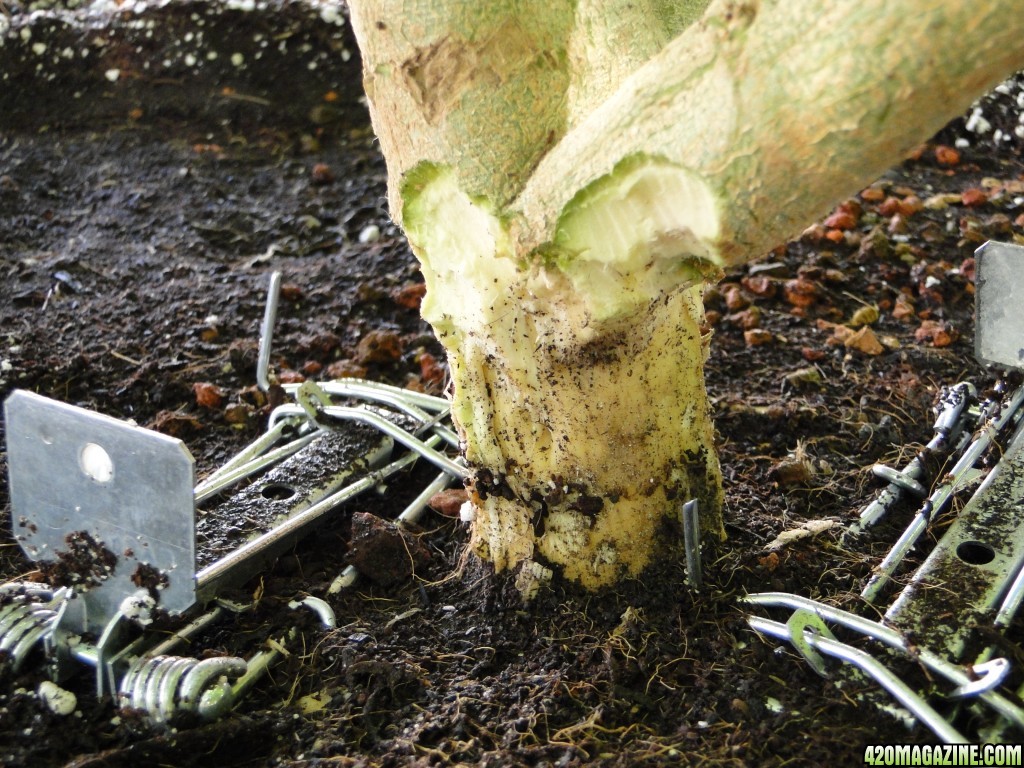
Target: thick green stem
[[570, 173], [588, 425]]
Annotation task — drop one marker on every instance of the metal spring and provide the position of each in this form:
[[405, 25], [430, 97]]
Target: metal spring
[[22, 625], [165, 687]]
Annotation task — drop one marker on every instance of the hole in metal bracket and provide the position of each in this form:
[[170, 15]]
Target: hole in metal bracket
[[96, 463], [278, 492], [975, 553]]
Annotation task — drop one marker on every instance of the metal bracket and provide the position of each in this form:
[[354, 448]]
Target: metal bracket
[[112, 500], [999, 293], [977, 558], [112, 512]]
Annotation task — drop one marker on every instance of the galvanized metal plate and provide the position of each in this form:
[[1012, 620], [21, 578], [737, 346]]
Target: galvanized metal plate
[[111, 504], [967, 575], [999, 304], [235, 539]]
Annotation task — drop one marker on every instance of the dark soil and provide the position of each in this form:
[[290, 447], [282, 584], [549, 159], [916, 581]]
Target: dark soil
[[140, 216]]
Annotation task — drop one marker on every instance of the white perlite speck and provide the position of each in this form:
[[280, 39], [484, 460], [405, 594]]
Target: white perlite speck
[[139, 608], [57, 700], [976, 123], [330, 13]]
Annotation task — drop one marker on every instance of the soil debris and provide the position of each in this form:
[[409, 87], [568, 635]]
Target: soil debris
[[85, 563], [384, 552]]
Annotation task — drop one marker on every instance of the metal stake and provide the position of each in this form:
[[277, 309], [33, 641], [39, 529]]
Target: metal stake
[[691, 541]]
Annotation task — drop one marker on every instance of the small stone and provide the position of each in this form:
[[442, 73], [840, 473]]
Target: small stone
[[931, 232], [321, 344], [947, 155], [735, 300], [431, 371], [840, 335], [747, 319], [449, 502], [903, 308], [794, 470], [910, 205], [841, 220], [322, 174], [291, 292], [207, 395], [238, 413], [874, 245], [936, 333], [814, 233], [889, 207], [410, 295], [175, 424], [756, 337], [800, 292], [379, 346], [865, 341], [835, 276], [760, 286], [999, 224], [898, 225], [346, 369], [973, 197]]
